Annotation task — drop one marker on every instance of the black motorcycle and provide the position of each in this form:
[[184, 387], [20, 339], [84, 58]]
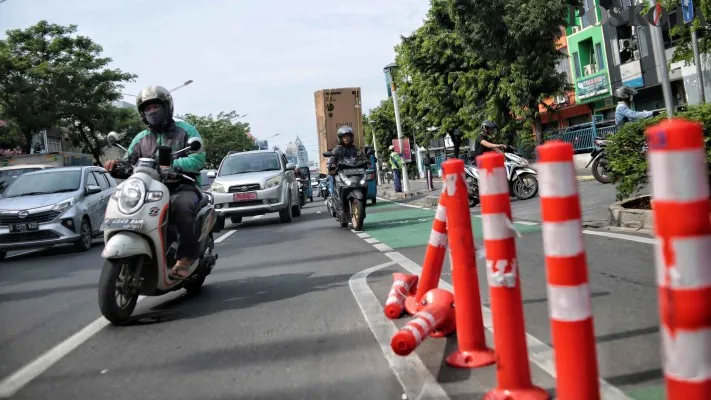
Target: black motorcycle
[[600, 162], [323, 188], [350, 190]]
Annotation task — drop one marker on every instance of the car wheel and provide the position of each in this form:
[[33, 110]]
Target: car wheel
[[2, 255], [85, 235], [286, 214]]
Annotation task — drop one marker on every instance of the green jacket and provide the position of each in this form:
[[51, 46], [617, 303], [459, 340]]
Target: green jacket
[[395, 161]]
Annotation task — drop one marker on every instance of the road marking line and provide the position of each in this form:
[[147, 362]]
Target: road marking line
[[20, 378], [639, 239], [382, 247], [371, 240], [526, 223], [538, 352], [414, 377], [362, 235], [225, 236]]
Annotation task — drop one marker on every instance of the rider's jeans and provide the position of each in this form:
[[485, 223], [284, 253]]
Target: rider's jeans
[[183, 212]]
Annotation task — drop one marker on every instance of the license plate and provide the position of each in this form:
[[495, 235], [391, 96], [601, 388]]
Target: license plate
[[26, 227], [245, 196], [130, 224], [354, 171]]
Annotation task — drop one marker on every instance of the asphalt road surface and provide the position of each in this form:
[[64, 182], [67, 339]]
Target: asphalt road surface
[[295, 311]]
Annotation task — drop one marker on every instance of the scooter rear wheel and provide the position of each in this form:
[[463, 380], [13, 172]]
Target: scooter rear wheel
[[117, 296]]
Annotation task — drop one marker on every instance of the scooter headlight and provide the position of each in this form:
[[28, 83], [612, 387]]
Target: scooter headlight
[[132, 197]]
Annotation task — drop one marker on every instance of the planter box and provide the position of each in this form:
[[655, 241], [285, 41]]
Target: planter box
[[629, 217]]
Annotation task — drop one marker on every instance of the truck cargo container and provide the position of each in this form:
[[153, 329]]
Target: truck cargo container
[[335, 108]]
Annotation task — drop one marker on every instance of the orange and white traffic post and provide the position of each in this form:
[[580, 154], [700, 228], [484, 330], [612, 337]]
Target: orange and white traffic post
[[472, 350], [436, 315], [403, 285], [513, 372], [569, 302], [680, 193]]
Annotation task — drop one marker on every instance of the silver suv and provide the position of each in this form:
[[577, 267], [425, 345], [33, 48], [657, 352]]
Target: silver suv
[[254, 183]]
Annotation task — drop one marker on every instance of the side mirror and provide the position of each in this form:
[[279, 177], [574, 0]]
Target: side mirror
[[112, 138], [93, 189], [290, 167], [327, 154], [212, 175], [195, 144]]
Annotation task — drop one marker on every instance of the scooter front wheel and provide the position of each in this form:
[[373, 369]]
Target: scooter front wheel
[[118, 289]]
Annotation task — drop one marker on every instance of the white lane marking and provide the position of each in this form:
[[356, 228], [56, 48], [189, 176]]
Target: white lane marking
[[20, 378], [538, 352], [526, 223], [362, 235], [414, 377], [639, 239], [225, 236], [382, 247], [371, 240]]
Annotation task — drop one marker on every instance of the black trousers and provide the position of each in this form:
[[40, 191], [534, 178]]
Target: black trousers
[[183, 211]]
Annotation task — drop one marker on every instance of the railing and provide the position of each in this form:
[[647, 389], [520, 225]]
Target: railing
[[581, 139]]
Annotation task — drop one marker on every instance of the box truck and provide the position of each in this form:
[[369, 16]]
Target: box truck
[[335, 108]]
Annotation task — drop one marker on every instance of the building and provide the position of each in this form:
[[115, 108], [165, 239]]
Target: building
[[262, 144], [124, 104], [296, 153]]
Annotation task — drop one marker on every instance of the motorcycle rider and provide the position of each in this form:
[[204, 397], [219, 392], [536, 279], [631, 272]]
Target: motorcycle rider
[[623, 112], [344, 149], [482, 144], [155, 105]]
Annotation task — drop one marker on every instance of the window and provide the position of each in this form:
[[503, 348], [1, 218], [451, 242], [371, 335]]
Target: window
[[576, 61], [103, 183], [44, 183], [244, 163], [615, 49], [600, 57], [112, 181], [589, 9], [90, 180], [563, 66], [643, 41]]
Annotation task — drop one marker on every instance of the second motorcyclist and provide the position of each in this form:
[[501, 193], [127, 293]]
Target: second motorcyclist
[[345, 148]]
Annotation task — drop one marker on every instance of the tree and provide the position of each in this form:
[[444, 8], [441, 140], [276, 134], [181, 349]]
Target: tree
[[221, 135], [48, 75]]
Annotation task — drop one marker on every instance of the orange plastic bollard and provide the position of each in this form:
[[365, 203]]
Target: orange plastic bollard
[[569, 302], [679, 176], [472, 350], [513, 373], [434, 257], [436, 315], [402, 286]]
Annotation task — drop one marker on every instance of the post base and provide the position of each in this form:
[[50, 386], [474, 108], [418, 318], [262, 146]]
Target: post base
[[532, 393], [411, 305], [472, 359]]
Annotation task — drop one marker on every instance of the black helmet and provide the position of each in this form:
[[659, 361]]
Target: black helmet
[[155, 95], [488, 127], [344, 130]]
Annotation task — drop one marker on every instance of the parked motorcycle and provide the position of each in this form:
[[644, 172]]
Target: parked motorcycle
[[350, 190], [140, 239], [600, 162], [523, 183]]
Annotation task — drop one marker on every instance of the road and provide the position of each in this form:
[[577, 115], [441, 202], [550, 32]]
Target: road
[[295, 311]]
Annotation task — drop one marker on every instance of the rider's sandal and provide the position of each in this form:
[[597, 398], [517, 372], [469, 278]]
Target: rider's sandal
[[179, 273]]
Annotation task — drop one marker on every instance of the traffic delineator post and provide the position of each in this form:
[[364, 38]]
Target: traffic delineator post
[[472, 351], [513, 372], [680, 193], [436, 315], [569, 304], [403, 285]]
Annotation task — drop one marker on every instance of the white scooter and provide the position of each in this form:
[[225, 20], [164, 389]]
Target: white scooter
[[140, 241], [523, 183]]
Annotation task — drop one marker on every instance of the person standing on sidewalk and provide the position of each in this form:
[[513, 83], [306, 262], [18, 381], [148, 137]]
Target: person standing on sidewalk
[[396, 164]]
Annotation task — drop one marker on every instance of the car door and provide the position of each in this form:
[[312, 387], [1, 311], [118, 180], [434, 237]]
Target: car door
[[105, 194], [92, 202]]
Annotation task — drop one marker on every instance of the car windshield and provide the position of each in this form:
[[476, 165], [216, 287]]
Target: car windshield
[[9, 175], [44, 183], [253, 162]]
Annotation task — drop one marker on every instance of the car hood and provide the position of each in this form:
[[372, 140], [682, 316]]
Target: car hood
[[250, 177], [30, 202]]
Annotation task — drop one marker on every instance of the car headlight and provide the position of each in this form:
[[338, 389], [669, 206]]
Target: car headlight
[[63, 206], [217, 188], [132, 196], [273, 182]]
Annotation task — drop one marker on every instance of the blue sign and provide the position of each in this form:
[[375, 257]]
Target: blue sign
[[687, 8]]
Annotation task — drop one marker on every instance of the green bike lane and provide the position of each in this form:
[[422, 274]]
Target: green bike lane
[[623, 291]]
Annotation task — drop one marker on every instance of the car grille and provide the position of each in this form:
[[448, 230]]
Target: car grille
[[244, 188], [28, 237], [44, 216]]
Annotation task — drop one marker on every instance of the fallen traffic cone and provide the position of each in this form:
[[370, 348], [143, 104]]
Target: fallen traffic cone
[[403, 285], [436, 315]]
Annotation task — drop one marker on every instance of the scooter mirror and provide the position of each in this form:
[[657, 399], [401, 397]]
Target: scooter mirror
[[327, 154], [112, 138], [195, 144]]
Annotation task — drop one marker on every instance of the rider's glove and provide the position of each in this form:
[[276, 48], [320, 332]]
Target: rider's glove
[[655, 113]]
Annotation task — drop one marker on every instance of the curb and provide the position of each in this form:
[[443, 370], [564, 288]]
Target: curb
[[631, 218]]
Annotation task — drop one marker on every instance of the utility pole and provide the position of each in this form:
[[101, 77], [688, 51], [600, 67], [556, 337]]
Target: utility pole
[[405, 180], [660, 57], [377, 155]]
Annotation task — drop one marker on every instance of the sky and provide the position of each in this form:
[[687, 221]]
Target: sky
[[261, 58]]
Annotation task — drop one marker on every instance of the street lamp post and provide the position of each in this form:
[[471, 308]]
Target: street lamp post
[[377, 156], [388, 70]]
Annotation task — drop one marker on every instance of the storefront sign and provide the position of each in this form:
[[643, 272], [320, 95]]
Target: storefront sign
[[632, 74], [592, 86]]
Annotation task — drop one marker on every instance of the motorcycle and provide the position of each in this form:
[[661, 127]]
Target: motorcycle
[[302, 192], [350, 191], [523, 183], [600, 162], [141, 241], [323, 188]]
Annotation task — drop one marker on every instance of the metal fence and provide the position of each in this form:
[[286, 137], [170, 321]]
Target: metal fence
[[583, 140]]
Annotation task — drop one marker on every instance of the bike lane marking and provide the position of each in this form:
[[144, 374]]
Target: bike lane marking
[[414, 377]]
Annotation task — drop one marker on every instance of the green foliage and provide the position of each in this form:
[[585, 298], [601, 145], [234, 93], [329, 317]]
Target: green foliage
[[628, 163], [48, 76], [221, 135], [682, 32]]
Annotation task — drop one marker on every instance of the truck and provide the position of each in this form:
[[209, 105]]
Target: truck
[[336, 108]]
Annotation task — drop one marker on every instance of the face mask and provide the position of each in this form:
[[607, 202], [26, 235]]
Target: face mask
[[156, 118]]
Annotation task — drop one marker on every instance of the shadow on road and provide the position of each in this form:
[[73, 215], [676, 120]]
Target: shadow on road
[[47, 291]]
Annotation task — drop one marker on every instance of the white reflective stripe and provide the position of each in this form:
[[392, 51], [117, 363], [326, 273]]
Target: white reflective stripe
[[437, 239], [569, 303], [493, 182], [692, 255], [563, 239], [679, 175], [393, 300], [557, 179], [495, 227], [427, 316], [687, 355], [426, 327], [397, 294], [416, 333], [401, 283], [450, 183], [441, 213]]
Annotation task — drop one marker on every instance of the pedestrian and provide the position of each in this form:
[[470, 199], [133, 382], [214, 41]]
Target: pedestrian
[[396, 164]]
